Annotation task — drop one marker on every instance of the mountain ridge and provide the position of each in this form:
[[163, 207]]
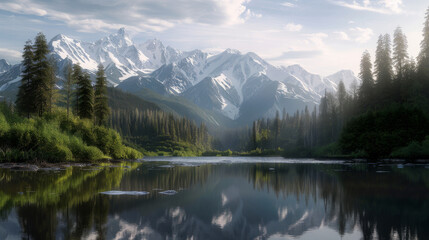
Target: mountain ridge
[[231, 78]]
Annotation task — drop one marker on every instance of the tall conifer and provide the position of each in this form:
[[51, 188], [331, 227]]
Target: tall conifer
[[24, 101], [40, 85], [86, 97], [101, 107]]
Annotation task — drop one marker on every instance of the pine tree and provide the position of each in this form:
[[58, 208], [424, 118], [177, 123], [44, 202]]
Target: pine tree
[[366, 89], [101, 107], [86, 97], [276, 128], [52, 92], [400, 54], [76, 78], [383, 68], [24, 101], [342, 102], [68, 86], [41, 82], [423, 60]]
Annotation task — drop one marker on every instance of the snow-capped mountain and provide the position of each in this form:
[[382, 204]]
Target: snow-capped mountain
[[348, 77], [237, 85], [121, 58], [4, 66]]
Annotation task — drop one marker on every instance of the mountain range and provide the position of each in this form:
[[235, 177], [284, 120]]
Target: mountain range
[[239, 86]]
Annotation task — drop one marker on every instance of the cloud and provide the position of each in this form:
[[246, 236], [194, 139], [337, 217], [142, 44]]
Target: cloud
[[342, 36], [378, 6], [9, 54], [292, 27], [249, 14], [288, 4], [296, 55], [356, 34], [316, 39], [362, 35], [139, 15]]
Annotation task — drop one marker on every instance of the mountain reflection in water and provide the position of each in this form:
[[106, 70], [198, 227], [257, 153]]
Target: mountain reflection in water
[[217, 201]]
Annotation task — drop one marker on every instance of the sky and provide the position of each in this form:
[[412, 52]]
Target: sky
[[324, 36]]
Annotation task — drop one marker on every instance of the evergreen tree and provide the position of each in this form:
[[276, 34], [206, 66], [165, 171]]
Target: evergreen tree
[[101, 107], [366, 89], [276, 128], [24, 101], [68, 86], [76, 78], [400, 54], [86, 97], [52, 92], [383, 68], [423, 60], [342, 103], [41, 83]]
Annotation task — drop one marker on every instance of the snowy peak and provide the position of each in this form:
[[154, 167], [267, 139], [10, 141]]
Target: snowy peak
[[67, 48], [346, 76], [118, 40], [158, 54], [215, 94], [4, 66]]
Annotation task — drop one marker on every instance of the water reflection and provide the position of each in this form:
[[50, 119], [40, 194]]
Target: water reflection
[[217, 201]]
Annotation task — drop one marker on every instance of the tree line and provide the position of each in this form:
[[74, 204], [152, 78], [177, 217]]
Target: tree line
[[38, 93], [389, 107], [150, 124]]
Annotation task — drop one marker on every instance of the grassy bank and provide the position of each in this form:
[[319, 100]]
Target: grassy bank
[[57, 138]]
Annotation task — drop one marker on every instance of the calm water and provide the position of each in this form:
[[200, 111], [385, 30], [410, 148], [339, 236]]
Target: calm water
[[217, 199]]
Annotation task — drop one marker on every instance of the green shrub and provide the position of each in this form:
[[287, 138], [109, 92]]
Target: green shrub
[[130, 153], [56, 137], [414, 150], [56, 153], [379, 133], [4, 125]]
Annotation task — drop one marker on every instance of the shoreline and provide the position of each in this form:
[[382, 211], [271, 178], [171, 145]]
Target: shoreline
[[35, 166]]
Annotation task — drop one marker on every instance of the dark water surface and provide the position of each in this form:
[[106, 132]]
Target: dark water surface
[[217, 198]]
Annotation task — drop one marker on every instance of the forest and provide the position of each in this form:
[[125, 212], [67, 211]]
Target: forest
[[386, 116], [77, 122]]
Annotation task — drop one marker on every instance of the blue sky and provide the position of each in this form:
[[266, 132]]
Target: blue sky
[[322, 35]]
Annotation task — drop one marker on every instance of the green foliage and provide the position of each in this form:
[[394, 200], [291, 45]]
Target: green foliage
[[86, 96], [157, 131], [56, 137], [101, 107], [379, 133], [414, 150], [330, 150]]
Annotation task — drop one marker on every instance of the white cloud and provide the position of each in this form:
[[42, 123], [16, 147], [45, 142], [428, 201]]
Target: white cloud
[[362, 35], [9, 54], [394, 5], [288, 4], [378, 6], [356, 34], [249, 14], [342, 36], [317, 39], [138, 15], [292, 27]]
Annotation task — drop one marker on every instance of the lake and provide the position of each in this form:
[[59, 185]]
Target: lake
[[217, 198]]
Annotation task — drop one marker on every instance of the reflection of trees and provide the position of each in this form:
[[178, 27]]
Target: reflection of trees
[[66, 202], [382, 204], [43, 199], [166, 178]]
